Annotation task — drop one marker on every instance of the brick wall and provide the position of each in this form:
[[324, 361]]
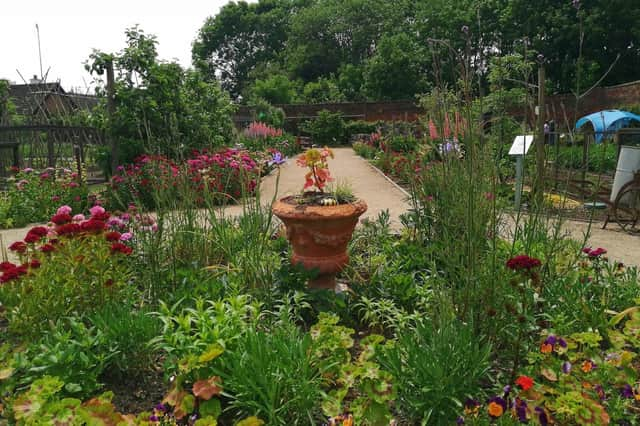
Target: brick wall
[[558, 107]]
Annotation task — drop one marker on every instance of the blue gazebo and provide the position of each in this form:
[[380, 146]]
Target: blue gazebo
[[607, 121]]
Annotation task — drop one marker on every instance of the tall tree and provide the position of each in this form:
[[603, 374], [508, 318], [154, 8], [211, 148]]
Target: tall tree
[[240, 37]]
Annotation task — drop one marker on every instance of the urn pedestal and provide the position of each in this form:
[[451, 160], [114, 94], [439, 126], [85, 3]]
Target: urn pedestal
[[319, 236]]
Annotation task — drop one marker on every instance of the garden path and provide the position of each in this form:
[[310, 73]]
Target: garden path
[[382, 194], [367, 183]]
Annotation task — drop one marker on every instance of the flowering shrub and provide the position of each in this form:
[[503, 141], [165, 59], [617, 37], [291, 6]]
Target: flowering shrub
[[73, 265], [33, 196], [217, 177]]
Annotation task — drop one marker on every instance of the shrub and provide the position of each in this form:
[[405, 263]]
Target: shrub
[[327, 129]]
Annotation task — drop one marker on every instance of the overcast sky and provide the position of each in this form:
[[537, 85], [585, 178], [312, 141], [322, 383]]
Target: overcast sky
[[70, 29]]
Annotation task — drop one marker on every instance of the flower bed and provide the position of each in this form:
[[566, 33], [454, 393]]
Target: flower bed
[[33, 196], [213, 178]]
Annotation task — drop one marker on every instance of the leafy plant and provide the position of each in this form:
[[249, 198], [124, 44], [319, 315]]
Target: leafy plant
[[326, 129], [435, 367], [128, 330], [273, 376]]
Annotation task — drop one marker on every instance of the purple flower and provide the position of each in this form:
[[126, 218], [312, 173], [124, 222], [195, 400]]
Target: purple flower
[[551, 340], [562, 342], [542, 416], [277, 159], [153, 418], [460, 420], [566, 367], [160, 407], [626, 391], [600, 392], [521, 410], [506, 390]]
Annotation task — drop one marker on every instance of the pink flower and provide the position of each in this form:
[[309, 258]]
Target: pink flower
[[78, 218], [126, 236], [97, 210], [64, 210]]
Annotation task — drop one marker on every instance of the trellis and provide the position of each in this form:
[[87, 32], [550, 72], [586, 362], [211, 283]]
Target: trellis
[[46, 145]]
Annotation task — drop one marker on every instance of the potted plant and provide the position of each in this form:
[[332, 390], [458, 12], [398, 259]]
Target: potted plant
[[319, 224]]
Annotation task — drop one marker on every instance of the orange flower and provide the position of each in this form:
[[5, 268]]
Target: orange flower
[[495, 409], [546, 348], [587, 366]]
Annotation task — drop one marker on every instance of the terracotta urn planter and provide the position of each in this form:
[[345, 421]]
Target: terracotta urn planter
[[319, 236]]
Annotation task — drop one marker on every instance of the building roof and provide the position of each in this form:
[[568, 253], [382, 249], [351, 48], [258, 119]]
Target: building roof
[[29, 99]]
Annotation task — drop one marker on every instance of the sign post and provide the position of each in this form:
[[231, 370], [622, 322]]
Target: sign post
[[519, 148]]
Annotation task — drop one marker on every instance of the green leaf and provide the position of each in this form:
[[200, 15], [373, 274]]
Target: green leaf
[[210, 408]]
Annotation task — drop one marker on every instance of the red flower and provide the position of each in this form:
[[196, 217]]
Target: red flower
[[113, 236], [61, 218], [525, 382], [46, 248], [101, 216], [6, 266], [121, 248], [523, 263], [68, 229], [40, 231], [35, 263], [93, 225], [35, 234], [18, 247]]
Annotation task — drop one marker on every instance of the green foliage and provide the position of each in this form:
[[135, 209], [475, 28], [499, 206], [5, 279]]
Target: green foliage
[[435, 368], [275, 89], [273, 376], [322, 90], [42, 404], [266, 113], [327, 129], [395, 71], [71, 351], [601, 158], [159, 107], [34, 197], [190, 333], [128, 330]]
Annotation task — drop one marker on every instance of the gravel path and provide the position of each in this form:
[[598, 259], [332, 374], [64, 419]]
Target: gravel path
[[382, 194]]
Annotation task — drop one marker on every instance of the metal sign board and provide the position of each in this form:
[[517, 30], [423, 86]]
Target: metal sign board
[[521, 145]]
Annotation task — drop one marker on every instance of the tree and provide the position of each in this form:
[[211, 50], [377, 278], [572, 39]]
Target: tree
[[323, 90], [395, 71], [275, 89], [160, 107], [240, 37]]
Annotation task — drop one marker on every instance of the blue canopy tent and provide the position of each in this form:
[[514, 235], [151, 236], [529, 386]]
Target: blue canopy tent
[[607, 121]]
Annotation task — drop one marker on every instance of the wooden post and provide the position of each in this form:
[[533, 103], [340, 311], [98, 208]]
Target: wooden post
[[111, 110], [539, 183], [16, 155], [51, 153]]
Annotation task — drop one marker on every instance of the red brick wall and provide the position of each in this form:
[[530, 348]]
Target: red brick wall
[[558, 107]]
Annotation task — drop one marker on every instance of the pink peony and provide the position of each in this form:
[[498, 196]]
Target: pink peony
[[97, 210], [64, 210]]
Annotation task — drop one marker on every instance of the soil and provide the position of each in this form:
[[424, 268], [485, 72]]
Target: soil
[[133, 395]]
